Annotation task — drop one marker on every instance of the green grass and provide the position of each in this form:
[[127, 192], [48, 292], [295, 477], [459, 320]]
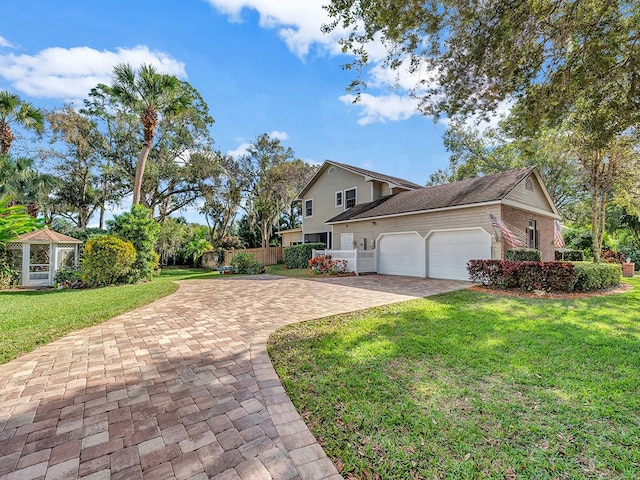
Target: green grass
[[29, 318], [473, 385]]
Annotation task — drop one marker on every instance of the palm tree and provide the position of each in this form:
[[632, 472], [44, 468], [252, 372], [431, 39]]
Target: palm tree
[[28, 187], [14, 110], [148, 94]]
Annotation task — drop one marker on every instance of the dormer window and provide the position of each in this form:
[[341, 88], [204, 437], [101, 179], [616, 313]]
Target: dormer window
[[350, 198]]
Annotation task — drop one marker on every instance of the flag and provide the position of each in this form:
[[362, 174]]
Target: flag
[[558, 241], [505, 231]]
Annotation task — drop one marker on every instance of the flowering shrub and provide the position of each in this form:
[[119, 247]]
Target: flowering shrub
[[324, 264]]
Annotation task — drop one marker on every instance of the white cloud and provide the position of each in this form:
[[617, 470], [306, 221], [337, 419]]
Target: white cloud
[[382, 108], [241, 150], [6, 43], [279, 135], [298, 22], [69, 73]]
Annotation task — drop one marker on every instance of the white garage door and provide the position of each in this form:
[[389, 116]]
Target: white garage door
[[449, 252], [401, 254]]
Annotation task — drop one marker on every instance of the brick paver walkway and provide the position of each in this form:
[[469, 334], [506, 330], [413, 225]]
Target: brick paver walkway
[[182, 388]]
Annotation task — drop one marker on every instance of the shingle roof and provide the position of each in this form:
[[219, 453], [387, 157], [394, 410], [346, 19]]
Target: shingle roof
[[464, 192], [401, 182], [46, 235]]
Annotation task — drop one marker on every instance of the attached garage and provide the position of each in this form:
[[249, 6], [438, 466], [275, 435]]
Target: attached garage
[[401, 254], [450, 250]]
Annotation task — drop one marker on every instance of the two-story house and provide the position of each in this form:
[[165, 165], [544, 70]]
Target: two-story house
[[425, 231]]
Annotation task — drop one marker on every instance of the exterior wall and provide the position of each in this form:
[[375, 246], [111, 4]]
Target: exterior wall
[[367, 230], [291, 238], [520, 219], [534, 198], [323, 193]]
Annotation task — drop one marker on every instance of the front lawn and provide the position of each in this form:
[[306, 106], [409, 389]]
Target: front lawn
[[29, 318], [472, 385]]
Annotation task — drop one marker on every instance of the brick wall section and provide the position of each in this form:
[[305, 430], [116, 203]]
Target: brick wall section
[[520, 219]]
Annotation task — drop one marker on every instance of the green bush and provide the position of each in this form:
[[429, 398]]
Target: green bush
[[570, 255], [69, 278], [108, 260], [244, 262], [141, 229], [298, 256], [595, 276], [9, 276], [523, 255]]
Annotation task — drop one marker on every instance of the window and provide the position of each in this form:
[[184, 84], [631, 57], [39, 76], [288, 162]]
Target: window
[[350, 198], [331, 170], [308, 208], [338, 199], [532, 234]]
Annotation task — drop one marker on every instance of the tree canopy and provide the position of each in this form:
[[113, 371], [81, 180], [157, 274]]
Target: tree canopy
[[550, 57]]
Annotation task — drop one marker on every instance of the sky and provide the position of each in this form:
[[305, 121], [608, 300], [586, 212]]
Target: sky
[[262, 66]]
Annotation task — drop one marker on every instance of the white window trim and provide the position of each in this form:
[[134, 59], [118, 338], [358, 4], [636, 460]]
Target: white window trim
[[344, 197], [341, 192], [305, 207]]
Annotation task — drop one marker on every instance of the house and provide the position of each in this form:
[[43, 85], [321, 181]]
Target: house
[[425, 231], [290, 237]]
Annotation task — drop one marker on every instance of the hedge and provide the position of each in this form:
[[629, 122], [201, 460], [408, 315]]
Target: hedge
[[523, 255], [298, 256], [547, 276], [596, 276]]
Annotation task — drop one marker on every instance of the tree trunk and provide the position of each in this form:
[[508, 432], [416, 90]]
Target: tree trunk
[[142, 160]]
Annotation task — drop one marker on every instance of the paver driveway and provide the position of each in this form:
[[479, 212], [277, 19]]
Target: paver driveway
[[182, 388]]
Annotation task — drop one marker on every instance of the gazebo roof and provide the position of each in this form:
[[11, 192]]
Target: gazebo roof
[[46, 235]]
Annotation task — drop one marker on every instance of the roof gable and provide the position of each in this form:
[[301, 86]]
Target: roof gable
[[367, 174], [491, 188]]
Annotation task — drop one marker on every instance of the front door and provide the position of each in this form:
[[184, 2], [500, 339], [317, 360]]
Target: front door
[[346, 241], [39, 265]]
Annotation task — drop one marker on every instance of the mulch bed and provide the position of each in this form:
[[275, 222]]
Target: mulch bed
[[623, 287]]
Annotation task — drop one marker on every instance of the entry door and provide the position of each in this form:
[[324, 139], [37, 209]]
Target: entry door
[[346, 241], [39, 265]]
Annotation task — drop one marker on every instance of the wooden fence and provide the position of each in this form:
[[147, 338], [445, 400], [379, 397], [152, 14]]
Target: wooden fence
[[266, 256]]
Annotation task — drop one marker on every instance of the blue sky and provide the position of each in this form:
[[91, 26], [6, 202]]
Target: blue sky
[[262, 66]]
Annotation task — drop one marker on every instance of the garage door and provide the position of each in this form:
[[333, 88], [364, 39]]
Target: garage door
[[401, 254], [449, 252]]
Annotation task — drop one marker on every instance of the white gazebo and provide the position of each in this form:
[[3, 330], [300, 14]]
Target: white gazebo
[[40, 254]]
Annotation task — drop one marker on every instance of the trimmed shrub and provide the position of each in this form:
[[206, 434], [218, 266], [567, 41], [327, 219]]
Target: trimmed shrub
[[548, 276], [108, 260], [298, 256], [569, 255], [595, 276], [523, 255], [244, 262]]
